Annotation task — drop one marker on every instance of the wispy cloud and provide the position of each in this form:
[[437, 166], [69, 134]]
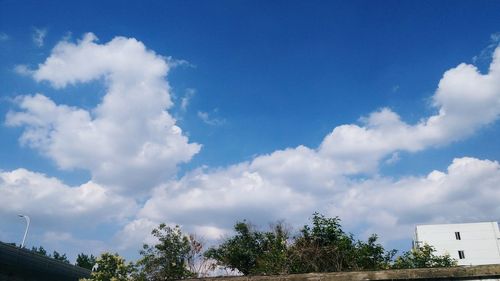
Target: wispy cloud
[[395, 88], [486, 53], [186, 99], [179, 62], [23, 70], [4, 37], [212, 121], [38, 36]]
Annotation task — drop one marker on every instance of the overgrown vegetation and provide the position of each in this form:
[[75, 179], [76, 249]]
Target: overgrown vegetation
[[321, 246], [423, 257], [112, 267], [169, 258]]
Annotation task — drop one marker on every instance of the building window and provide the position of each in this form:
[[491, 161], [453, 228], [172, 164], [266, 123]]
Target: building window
[[461, 255], [457, 236]]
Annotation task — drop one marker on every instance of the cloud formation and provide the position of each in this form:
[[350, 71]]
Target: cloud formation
[[207, 119], [131, 144], [48, 201], [128, 141], [294, 182], [38, 36], [186, 99], [465, 101], [209, 203]]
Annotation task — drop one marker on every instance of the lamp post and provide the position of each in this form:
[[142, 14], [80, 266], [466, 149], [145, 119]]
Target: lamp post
[[27, 227]]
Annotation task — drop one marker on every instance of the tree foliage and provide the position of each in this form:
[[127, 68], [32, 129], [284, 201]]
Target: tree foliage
[[423, 257], [40, 250], [274, 257], [253, 252], [240, 251], [371, 255], [169, 259], [55, 254], [321, 247], [86, 261], [112, 267], [60, 257]]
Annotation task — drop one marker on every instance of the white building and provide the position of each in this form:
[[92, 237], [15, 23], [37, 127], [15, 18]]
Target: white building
[[469, 243]]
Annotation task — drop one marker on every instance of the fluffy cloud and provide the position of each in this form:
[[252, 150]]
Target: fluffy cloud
[[49, 202], [128, 141], [465, 100], [467, 191], [294, 182], [209, 202]]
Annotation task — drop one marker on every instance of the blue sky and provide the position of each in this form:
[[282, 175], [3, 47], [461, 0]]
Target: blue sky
[[274, 110]]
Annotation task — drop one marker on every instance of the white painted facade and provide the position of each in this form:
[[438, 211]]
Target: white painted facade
[[468, 243]]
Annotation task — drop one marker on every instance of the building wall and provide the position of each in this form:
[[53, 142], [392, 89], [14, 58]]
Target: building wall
[[480, 242]]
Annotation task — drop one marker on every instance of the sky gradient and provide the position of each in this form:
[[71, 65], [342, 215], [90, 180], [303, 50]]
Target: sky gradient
[[119, 116]]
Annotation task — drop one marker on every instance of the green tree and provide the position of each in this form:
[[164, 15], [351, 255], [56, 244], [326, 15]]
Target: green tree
[[55, 255], [274, 258], [371, 255], [60, 257], [241, 251], [167, 260], [111, 267], [86, 261], [423, 257], [40, 250], [322, 247], [253, 252]]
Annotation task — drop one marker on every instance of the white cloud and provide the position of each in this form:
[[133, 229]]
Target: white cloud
[[50, 202], [23, 70], [129, 141], [135, 233], [466, 192], [179, 63], [38, 36], [485, 54], [67, 243], [205, 117], [294, 182], [465, 100], [186, 99], [208, 203]]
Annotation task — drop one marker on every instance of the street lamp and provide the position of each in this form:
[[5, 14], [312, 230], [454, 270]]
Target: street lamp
[[27, 227]]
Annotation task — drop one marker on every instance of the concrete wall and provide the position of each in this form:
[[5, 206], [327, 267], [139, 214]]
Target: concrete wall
[[482, 272], [479, 241]]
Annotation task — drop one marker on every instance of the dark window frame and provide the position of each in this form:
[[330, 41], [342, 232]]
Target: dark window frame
[[461, 254], [457, 236]]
